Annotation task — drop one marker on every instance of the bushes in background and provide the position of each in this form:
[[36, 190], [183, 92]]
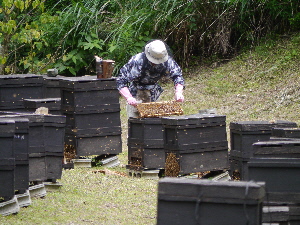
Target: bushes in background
[[37, 35]]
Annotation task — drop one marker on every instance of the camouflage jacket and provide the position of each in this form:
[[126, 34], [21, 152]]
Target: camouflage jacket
[[138, 73]]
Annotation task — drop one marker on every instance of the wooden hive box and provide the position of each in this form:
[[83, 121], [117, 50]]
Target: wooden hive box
[[14, 88], [94, 144], [194, 132], [89, 93], [93, 122], [281, 178], [291, 132], [194, 201], [143, 157], [244, 133]]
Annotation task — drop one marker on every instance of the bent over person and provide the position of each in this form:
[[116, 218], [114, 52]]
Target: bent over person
[[138, 78]]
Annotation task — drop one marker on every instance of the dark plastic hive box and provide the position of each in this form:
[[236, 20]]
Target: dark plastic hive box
[[7, 132], [37, 167], [146, 158], [7, 179], [294, 214], [148, 132], [7, 159], [101, 100], [36, 133], [281, 178], [46, 138], [87, 145], [286, 132], [145, 143], [277, 148], [244, 133], [54, 133], [194, 201], [87, 83], [275, 215], [89, 93], [20, 145], [194, 132], [207, 159], [15, 88], [53, 161], [45, 166], [238, 168], [93, 123]]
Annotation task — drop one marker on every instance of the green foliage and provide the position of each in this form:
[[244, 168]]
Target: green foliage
[[295, 21], [21, 37], [67, 34]]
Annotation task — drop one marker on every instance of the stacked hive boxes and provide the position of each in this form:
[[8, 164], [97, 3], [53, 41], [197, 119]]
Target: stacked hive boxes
[[277, 163], [195, 201], [45, 144], [7, 160], [242, 135], [15, 88], [92, 110], [145, 143], [20, 146], [54, 133], [195, 143]]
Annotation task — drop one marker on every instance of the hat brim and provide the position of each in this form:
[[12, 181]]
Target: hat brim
[[154, 60]]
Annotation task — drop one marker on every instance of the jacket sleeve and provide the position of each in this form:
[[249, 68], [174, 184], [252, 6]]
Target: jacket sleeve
[[174, 72], [130, 71]]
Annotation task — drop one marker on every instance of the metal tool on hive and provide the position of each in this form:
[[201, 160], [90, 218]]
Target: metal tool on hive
[[158, 109], [104, 68]]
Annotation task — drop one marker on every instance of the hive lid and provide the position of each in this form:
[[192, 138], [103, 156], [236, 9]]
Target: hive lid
[[36, 119], [178, 189], [154, 120], [278, 148], [260, 125], [287, 132], [21, 79], [195, 119], [50, 103], [7, 127], [57, 119], [86, 83], [21, 124], [274, 162]]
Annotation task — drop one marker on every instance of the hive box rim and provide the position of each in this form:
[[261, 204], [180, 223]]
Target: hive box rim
[[273, 162], [193, 119], [209, 191], [260, 125]]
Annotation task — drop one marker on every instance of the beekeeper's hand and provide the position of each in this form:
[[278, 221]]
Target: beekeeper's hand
[[127, 95], [179, 93]]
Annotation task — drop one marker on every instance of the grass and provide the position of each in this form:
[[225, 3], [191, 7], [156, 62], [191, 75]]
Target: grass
[[258, 85]]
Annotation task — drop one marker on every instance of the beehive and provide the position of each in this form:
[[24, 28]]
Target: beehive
[[196, 201]]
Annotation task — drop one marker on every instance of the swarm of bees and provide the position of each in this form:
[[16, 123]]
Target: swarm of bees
[[69, 152], [158, 109], [172, 167]]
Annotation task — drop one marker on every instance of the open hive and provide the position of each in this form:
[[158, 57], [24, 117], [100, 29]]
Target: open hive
[[157, 109]]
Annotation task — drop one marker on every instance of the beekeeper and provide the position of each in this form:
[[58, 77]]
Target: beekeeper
[[138, 78]]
